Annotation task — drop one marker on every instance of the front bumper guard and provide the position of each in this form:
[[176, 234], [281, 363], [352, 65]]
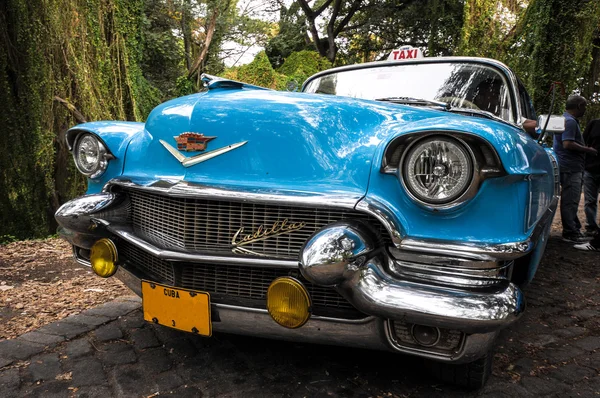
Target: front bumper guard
[[344, 256]]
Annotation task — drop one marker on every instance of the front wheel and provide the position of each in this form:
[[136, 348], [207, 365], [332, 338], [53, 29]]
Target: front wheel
[[472, 375]]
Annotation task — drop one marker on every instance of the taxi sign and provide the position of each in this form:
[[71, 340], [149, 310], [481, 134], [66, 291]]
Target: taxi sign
[[405, 52]]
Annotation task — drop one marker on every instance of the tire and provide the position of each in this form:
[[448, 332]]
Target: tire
[[472, 375]]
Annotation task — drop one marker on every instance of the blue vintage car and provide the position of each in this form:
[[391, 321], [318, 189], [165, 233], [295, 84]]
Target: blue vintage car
[[396, 205]]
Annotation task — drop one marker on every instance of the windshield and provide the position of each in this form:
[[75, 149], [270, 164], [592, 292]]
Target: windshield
[[461, 85]]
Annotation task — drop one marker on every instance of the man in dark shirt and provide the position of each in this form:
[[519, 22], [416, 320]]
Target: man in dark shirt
[[591, 177], [570, 148]]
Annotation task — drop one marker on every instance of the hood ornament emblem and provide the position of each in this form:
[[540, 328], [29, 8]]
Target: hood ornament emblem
[[190, 142], [196, 142]]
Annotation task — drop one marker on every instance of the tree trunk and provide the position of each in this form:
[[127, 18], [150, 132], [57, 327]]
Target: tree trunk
[[210, 31]]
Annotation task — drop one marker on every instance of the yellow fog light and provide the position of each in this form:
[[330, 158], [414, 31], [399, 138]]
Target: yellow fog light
[[288, 302], [104, 258]]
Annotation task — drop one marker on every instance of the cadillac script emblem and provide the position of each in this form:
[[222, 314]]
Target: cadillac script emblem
[[190, 142], [241, 239]]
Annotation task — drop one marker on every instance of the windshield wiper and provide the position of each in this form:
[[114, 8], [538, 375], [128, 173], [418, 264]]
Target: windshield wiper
[[478, 112], [414, 101]]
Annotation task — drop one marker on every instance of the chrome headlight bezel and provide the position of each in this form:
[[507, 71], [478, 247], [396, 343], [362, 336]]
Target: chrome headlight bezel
[[103, 156], [469, 179]]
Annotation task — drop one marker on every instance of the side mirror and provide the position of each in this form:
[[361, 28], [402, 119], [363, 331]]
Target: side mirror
[[555, 125], [292, 86]]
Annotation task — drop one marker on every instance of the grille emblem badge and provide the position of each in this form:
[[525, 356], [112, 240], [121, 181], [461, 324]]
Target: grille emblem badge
[[262, 232], [196, 142]]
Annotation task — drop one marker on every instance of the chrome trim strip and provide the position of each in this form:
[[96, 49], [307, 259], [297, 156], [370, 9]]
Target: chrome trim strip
[[202, 157], [373, 292], [127, 234], [79, 259], [421, 259], [385, 216], [367, 333], [185, 189], [478, 251]]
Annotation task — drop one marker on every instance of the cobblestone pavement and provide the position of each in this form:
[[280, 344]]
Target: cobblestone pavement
[[554, 350]]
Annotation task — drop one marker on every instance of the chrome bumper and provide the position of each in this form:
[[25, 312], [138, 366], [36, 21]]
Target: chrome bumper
[[347, 257], [369, 333]]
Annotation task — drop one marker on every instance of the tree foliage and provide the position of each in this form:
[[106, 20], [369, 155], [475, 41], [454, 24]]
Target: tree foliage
[[65, 61], [87, 54]]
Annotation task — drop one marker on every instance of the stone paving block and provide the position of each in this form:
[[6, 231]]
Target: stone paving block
[[66, 329], [78, 348], [108, 332], [165, 334], [188, 392], [573, 331], [116, 353], [53, 389], [590, 343], [586, 314], [130, 380], [541, 386], [155, 360], [144, 338], [168, 381], [540, 340], [181, 348], [87, 319], [19, 349], [9, 379], [572, 373], [562, 321], [133, 297], [133, 320], [93, 392], [41, 338], [562, 354], [523, 365], [113, 309], [86, 372], [43, 368], [5, 361]]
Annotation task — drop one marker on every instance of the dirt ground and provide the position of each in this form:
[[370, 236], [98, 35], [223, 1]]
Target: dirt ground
[[41, 283]]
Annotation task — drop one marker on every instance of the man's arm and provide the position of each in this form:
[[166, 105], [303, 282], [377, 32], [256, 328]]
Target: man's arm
[[574, 146], [569, 142]]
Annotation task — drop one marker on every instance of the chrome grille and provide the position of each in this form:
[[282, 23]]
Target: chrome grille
[[153, 267], [556, 174], [251, 282], [196, 224], [225, 281]]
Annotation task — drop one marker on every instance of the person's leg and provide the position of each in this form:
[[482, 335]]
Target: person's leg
[[569, 201], [590, 192]]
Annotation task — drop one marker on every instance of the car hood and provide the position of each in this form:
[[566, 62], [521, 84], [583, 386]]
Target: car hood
[[292, 141]]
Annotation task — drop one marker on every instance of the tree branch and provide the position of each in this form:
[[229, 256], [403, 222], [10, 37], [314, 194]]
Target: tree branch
[[71, 108]]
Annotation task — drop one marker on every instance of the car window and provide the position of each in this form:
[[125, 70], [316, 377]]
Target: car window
[[527, 109], [462, 85]]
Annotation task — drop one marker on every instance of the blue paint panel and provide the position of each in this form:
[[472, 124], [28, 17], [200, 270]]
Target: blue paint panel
[[319, 144], [295, 142], [116, 137]]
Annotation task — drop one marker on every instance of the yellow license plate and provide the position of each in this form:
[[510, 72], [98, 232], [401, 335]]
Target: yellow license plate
[[181, 309]]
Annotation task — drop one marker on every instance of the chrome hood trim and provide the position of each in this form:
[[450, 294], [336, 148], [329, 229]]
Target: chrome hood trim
[[265, 196]]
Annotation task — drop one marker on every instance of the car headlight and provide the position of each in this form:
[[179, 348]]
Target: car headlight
[[437, 170], [91, 156]]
